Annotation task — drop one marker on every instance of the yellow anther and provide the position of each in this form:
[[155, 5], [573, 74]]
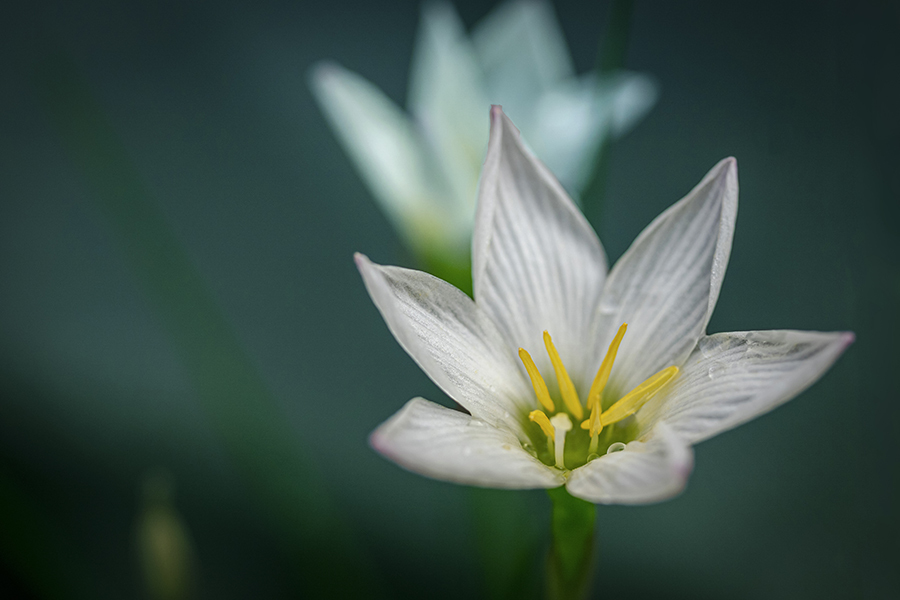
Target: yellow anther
[[636, 398], [537, 382], [594, 422], [541, 419], [605, 369], [566, 387]]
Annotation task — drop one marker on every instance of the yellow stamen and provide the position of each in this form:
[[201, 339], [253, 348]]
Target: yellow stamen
[[537, 382], [593, 422], [605, 369], [541, 419], [566, 387], [636, 398]]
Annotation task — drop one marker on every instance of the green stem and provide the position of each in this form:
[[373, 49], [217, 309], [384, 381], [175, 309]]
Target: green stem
[[508, 539], [610, 58], [571, 561]]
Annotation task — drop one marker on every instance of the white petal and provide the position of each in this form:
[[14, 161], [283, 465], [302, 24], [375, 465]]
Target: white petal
[[537, 264], [666, 285], [447, 98], [734, 377], [645, 471], [523, 54], [569, 125], [453, 341], [387, 151], [438, 442], [632, 96], [571, 121]]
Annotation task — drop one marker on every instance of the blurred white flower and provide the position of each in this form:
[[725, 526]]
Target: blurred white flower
[[539, 269], [423, 167]]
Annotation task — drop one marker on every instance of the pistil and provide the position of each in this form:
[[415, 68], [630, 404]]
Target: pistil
[[561, 424]]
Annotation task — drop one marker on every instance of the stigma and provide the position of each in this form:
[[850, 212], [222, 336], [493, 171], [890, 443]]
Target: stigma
[[556, 428]]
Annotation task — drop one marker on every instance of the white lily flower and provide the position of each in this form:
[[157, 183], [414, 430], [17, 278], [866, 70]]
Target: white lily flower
[[423, 168], [609, 415]]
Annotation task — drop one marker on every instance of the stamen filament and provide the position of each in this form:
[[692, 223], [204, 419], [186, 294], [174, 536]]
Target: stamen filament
[[537, 382], [636, 398], [541, 419], [566, 387], [605, 368], [561, 423]]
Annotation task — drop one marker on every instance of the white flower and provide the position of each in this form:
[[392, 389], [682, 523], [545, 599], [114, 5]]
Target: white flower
[[539, 270], [423, 168]]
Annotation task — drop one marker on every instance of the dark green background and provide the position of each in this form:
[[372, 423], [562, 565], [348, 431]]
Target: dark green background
[[211, 104]]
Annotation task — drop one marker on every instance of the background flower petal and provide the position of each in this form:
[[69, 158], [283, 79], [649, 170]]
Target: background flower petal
[[387, 151], [667, 283], [447, 100], [445, 444], [645, 471], [734, 377], [569, 122], [537, 264], [453, 341], [523, 54]]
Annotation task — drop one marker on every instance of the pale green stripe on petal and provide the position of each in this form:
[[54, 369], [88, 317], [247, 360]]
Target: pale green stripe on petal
[[449, 445], [732, 378]]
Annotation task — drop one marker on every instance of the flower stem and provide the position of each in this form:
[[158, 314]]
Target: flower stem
[[570, 564]]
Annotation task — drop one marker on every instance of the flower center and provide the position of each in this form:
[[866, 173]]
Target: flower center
[[584, 441]]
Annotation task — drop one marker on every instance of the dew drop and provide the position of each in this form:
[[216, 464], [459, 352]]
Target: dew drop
[[592, 456], [715, 371], [617, 447]]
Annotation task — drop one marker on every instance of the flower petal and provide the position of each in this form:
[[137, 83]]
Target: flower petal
[[645, 471], [447, 99], [734, 377], [523, 52], [453, 341], [632, 96], [666, 285], [537, 264], [446, 444], [387, 151], [570, 122]]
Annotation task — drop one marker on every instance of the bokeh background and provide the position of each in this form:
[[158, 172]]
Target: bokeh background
[[213, 138]]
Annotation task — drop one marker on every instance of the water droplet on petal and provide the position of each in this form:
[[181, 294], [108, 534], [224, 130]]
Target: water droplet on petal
[[617, 447], [715, 370], [592, 456]]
